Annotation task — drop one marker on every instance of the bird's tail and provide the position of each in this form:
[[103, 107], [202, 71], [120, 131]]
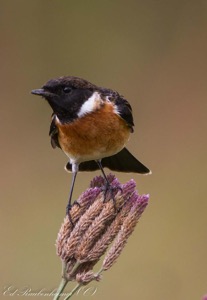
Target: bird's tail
[[123, 161]]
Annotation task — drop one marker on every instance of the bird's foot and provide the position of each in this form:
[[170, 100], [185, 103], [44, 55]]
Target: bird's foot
[[109, 193], [68, 209]]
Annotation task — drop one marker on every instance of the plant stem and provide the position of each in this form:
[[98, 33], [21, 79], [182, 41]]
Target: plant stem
[[60, 289], [100, 271], [73, 291]]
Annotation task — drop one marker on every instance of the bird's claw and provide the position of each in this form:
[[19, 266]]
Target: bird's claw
[[111, 189], [68, 208]]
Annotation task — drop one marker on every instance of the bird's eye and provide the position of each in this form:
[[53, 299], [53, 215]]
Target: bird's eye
[[67, 89]]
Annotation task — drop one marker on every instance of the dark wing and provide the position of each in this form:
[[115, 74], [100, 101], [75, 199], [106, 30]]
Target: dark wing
[[123, 161], [122, 105], [54, 134]]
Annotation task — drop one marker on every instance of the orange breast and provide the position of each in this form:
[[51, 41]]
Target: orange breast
[[96, 135]]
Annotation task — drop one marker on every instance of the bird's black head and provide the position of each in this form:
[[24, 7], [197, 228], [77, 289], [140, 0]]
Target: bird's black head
[[66, 95]]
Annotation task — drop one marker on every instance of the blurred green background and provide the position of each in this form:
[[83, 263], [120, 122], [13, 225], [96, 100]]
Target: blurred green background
[[155, 54]]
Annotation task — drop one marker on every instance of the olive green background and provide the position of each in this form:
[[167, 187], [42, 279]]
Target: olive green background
[[155, 54]]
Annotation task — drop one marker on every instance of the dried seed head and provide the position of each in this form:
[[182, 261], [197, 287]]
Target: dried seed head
[[99, 181], [87, 277], [138, 203], [97, 224], [108, 236], [76, 236], [85, 200]]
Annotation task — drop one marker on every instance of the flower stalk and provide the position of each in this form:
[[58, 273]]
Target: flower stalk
[[98, 227]]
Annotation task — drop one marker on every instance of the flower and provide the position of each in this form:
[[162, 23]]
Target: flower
[[98, 226]]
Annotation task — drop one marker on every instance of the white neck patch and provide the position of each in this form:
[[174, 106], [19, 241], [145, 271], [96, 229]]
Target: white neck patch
[[90, 105]]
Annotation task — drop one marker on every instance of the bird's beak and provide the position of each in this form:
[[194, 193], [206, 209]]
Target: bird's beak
[[39, 92], [44, 93], [47, 95]]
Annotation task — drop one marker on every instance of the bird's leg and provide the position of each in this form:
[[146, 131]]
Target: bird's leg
[[69, 205], [71, 192], [102, 170], [108, 186]]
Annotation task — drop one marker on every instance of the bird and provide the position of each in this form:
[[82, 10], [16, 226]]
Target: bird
[[91, 124]]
